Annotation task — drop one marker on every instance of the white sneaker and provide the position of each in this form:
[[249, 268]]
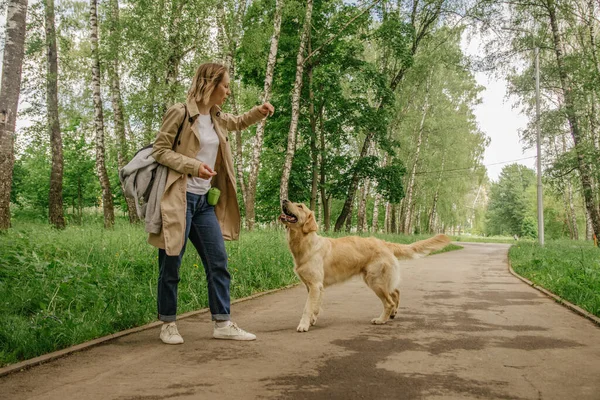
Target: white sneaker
[[233, 332], [169, 334]]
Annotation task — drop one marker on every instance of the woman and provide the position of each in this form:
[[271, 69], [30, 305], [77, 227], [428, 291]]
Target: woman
[[200, 159]]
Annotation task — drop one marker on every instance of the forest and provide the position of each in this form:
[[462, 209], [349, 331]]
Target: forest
[[374, 126]]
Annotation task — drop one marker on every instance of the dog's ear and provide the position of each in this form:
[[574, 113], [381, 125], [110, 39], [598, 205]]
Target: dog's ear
[[310, 225]]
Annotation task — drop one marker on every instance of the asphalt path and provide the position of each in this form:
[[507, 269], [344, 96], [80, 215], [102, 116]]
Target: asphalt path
[[467, 329]]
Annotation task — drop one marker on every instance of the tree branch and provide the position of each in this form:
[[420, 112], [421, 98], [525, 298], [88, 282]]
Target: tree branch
[[333, 37]]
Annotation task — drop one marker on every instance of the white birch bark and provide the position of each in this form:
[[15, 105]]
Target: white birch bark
[[10, 88], [291, 145], [107, 200], [117, 101]]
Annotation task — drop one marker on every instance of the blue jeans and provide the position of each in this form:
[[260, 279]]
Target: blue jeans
[[204, 231]]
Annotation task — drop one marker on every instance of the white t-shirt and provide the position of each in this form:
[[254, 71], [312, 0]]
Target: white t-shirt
[[209, 146]]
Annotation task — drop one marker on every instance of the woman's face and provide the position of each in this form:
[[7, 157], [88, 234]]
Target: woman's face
[[219, 95]]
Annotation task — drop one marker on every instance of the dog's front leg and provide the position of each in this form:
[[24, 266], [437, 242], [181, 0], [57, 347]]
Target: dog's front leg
[[311, 308]]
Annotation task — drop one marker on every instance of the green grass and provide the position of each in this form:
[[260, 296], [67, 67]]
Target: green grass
[[569, 269], [61, 288]]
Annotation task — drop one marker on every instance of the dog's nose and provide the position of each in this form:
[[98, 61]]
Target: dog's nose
[[285, 201]]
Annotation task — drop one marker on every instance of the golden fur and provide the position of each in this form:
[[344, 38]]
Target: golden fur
[[320, 262]]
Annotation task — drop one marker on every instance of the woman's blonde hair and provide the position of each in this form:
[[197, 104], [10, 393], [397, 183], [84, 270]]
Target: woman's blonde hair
[[206, 79]]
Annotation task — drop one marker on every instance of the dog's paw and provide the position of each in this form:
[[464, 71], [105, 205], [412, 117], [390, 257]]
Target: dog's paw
[[303, 325], [378, 321], [313, 320]]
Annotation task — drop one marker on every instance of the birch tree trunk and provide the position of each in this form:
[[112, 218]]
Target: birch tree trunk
[[260, 128], [230, 37], [393, 222], [375, 222], [589, 229], [405, 224], [324, 198], [55, 200], [361, 224], [377, 202], [572, 216], [107, 200], [10, 88], [291, 145], [387, 226], [117, 101], [433, 213], [585, 171], [314, 153]]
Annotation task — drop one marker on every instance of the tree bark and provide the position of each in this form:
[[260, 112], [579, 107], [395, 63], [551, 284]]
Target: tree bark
[[324, 198], [585, 171], [406, 223], [10, 88], [291, 145], [433, 213], [55, 200], [260, 128], [314, 152], [378, 198], [393, 224], [571, 215], [387, 226], [117, 101], [107, 200], [361, 224], [230, 38]]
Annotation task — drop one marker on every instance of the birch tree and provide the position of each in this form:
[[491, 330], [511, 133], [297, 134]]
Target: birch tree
[[260, 128], [10, 89], [291, 143], [55, 202], [116, 99], [107, 200], [230, 34], [585, 170]]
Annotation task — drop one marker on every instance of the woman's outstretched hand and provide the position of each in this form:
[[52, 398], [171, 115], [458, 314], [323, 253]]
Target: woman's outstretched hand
[[266, 109], [205, 172]]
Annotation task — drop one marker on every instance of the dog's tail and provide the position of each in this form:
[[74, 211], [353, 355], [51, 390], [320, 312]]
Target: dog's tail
[[419, 249]]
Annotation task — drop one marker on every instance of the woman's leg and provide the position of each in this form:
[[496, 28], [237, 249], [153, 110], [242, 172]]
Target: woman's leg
[[205, 234], [168, 275]]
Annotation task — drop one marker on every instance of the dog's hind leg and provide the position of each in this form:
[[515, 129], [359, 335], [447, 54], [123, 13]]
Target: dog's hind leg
[[376, 277], [396, 297]]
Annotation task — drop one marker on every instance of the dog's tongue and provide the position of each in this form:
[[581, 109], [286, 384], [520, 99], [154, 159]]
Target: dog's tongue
[[286, 218]]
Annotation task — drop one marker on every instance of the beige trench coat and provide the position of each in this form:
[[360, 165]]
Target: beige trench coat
[[182, 163]]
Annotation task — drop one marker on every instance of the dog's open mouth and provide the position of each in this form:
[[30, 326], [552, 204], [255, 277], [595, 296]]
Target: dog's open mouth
[[287, 216]]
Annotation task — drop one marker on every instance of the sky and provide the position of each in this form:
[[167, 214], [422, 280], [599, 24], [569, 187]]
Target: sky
[[500, 121]]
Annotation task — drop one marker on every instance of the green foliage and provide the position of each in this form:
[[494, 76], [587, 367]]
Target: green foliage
[[389, 182], [508, 206]]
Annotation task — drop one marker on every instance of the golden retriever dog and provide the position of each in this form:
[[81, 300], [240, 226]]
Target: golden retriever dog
[[320, 262]]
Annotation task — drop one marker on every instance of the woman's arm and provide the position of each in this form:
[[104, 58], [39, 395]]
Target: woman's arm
[[163, 151], [241, 122]]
